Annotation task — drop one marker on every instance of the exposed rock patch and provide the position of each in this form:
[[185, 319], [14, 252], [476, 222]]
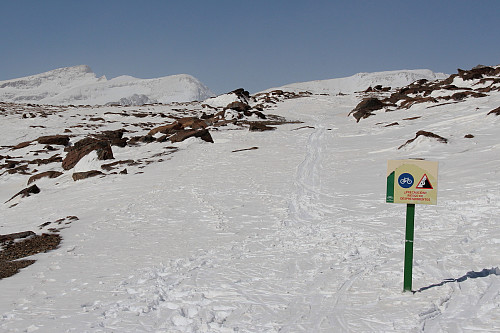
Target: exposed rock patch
[[48, 174], [420, 91], [203, 134], [62, 140], [260, 127], [14, 250], [86, 174], [26, 192], [496, 111]]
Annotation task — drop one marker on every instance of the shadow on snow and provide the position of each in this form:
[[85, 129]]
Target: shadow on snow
[[470, 275]]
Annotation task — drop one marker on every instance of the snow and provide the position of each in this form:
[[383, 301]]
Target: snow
[[362, 81], [294, 236], [79, 85]]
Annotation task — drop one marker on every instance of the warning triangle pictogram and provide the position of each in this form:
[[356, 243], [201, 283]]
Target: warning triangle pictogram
[[425, 183]]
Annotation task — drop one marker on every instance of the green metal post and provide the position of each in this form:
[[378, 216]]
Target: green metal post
[[410, 221]]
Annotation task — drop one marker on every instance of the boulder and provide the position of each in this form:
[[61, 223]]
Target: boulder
[[62, 140], [84, 147], [180, 136], [365, 107]]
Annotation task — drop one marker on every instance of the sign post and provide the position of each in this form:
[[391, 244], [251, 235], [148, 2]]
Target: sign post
[[402, 187]]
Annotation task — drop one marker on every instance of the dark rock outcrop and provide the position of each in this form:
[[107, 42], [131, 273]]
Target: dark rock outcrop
[[115, 138], [21, 145], [47, 174], [62, 140], [238, 106], [365, 107], [26, 192], [84, 147], [426, 134], [203, 134], [260, 127], [12, 251], [496, 111], [87, 174]]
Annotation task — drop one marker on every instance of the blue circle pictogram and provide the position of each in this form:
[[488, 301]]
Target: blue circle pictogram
[[405, 180]]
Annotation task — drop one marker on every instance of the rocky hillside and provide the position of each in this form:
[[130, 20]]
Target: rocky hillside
[[474, 83]]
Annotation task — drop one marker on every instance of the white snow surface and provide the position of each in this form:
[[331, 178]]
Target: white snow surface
[[294, 236], [362, 81], [79, 85]]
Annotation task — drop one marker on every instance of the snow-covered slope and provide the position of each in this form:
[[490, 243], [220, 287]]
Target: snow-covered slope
[[79, 85], [275, 231], [362, 81]]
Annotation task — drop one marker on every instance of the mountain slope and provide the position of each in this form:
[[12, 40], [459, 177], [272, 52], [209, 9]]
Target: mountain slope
[[284, 230], [79, 85]]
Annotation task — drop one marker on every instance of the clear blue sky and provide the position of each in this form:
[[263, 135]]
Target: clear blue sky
[[251, 44]]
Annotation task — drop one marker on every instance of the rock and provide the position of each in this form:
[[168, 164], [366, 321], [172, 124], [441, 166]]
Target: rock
[[17, 235], [137, 139], [192, 122], [21, 145], [260, 127], [365, 107], [111, 166], [427, 134], [166, 129], [242, 94], [496, 111], [238, 106], [53, 159], [468, 136], [115, 138], [180, 136], [62, 140], [84, 147], [26, 192], [476, 72], [9, 268], [33, 245], [49, 174], [87, 174]]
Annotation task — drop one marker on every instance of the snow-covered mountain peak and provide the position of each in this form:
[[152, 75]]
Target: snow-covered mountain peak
[[80, 85]]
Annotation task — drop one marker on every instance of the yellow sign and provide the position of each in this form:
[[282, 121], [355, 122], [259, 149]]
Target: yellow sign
[[412, 182]]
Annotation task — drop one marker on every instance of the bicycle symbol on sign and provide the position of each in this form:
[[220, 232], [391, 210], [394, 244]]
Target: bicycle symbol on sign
[[405, 180]]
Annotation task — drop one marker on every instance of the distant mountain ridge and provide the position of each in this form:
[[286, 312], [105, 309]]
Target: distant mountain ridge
[[362, 81], [80, 85]]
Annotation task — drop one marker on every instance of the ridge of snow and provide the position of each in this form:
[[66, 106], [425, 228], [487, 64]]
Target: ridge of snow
[[361, 81], [79, 85]]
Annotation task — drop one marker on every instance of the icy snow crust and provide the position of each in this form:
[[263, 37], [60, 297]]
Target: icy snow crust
[[79, 85], [292, 237]]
